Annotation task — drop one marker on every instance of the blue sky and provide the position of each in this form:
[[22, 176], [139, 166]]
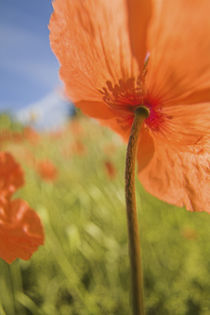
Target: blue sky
[[28, 68]]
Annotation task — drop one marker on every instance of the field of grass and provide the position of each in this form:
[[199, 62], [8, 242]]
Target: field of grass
[[83, 268]]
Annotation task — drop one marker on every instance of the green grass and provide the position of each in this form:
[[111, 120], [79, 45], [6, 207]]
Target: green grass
[[83, 268]]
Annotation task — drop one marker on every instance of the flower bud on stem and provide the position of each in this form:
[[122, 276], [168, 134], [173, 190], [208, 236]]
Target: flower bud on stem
[[133, 232]]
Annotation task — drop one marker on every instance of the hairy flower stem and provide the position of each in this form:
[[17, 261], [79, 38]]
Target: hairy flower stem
[[133, 232]]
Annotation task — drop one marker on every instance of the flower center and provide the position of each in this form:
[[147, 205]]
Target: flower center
[[126, 96], [156, 118]]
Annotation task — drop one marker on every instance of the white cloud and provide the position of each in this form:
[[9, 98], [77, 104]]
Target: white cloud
[[51, 112]]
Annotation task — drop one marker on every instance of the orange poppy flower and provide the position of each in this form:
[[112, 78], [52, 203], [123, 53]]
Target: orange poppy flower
[[110, 169], [21, 231], [189, 233], [31, 135], [78, 147], [75, 127], [11, 175], [117, 55], [47, 170]]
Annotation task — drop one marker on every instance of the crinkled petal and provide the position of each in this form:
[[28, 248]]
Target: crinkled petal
[[145, 149], [139, 14], [95, 109], [186, 124], [120, 125], [179, 45], [179, 178], [21, 231], [91, 41]]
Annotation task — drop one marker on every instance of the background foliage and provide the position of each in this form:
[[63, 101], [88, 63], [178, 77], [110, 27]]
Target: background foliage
[[83, 267]]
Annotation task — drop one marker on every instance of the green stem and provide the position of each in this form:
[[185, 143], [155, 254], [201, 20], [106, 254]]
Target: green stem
[[133, 231]]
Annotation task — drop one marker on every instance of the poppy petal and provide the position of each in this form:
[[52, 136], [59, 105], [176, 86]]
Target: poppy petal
[[95, 109], [187, 124], [179, 178], [139, 14], [94, 38], [179, 45], [121, 126], [21, 231], [145, 149], [47, 170], [11, 175]]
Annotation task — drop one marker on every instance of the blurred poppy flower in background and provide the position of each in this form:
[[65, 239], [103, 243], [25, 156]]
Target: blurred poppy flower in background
[[21, 231], [31, 135], [118, 55], [75, 128], [110, 169], [11, 176], [189, 233], [47, 170], [78, 147], [10, 136]]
